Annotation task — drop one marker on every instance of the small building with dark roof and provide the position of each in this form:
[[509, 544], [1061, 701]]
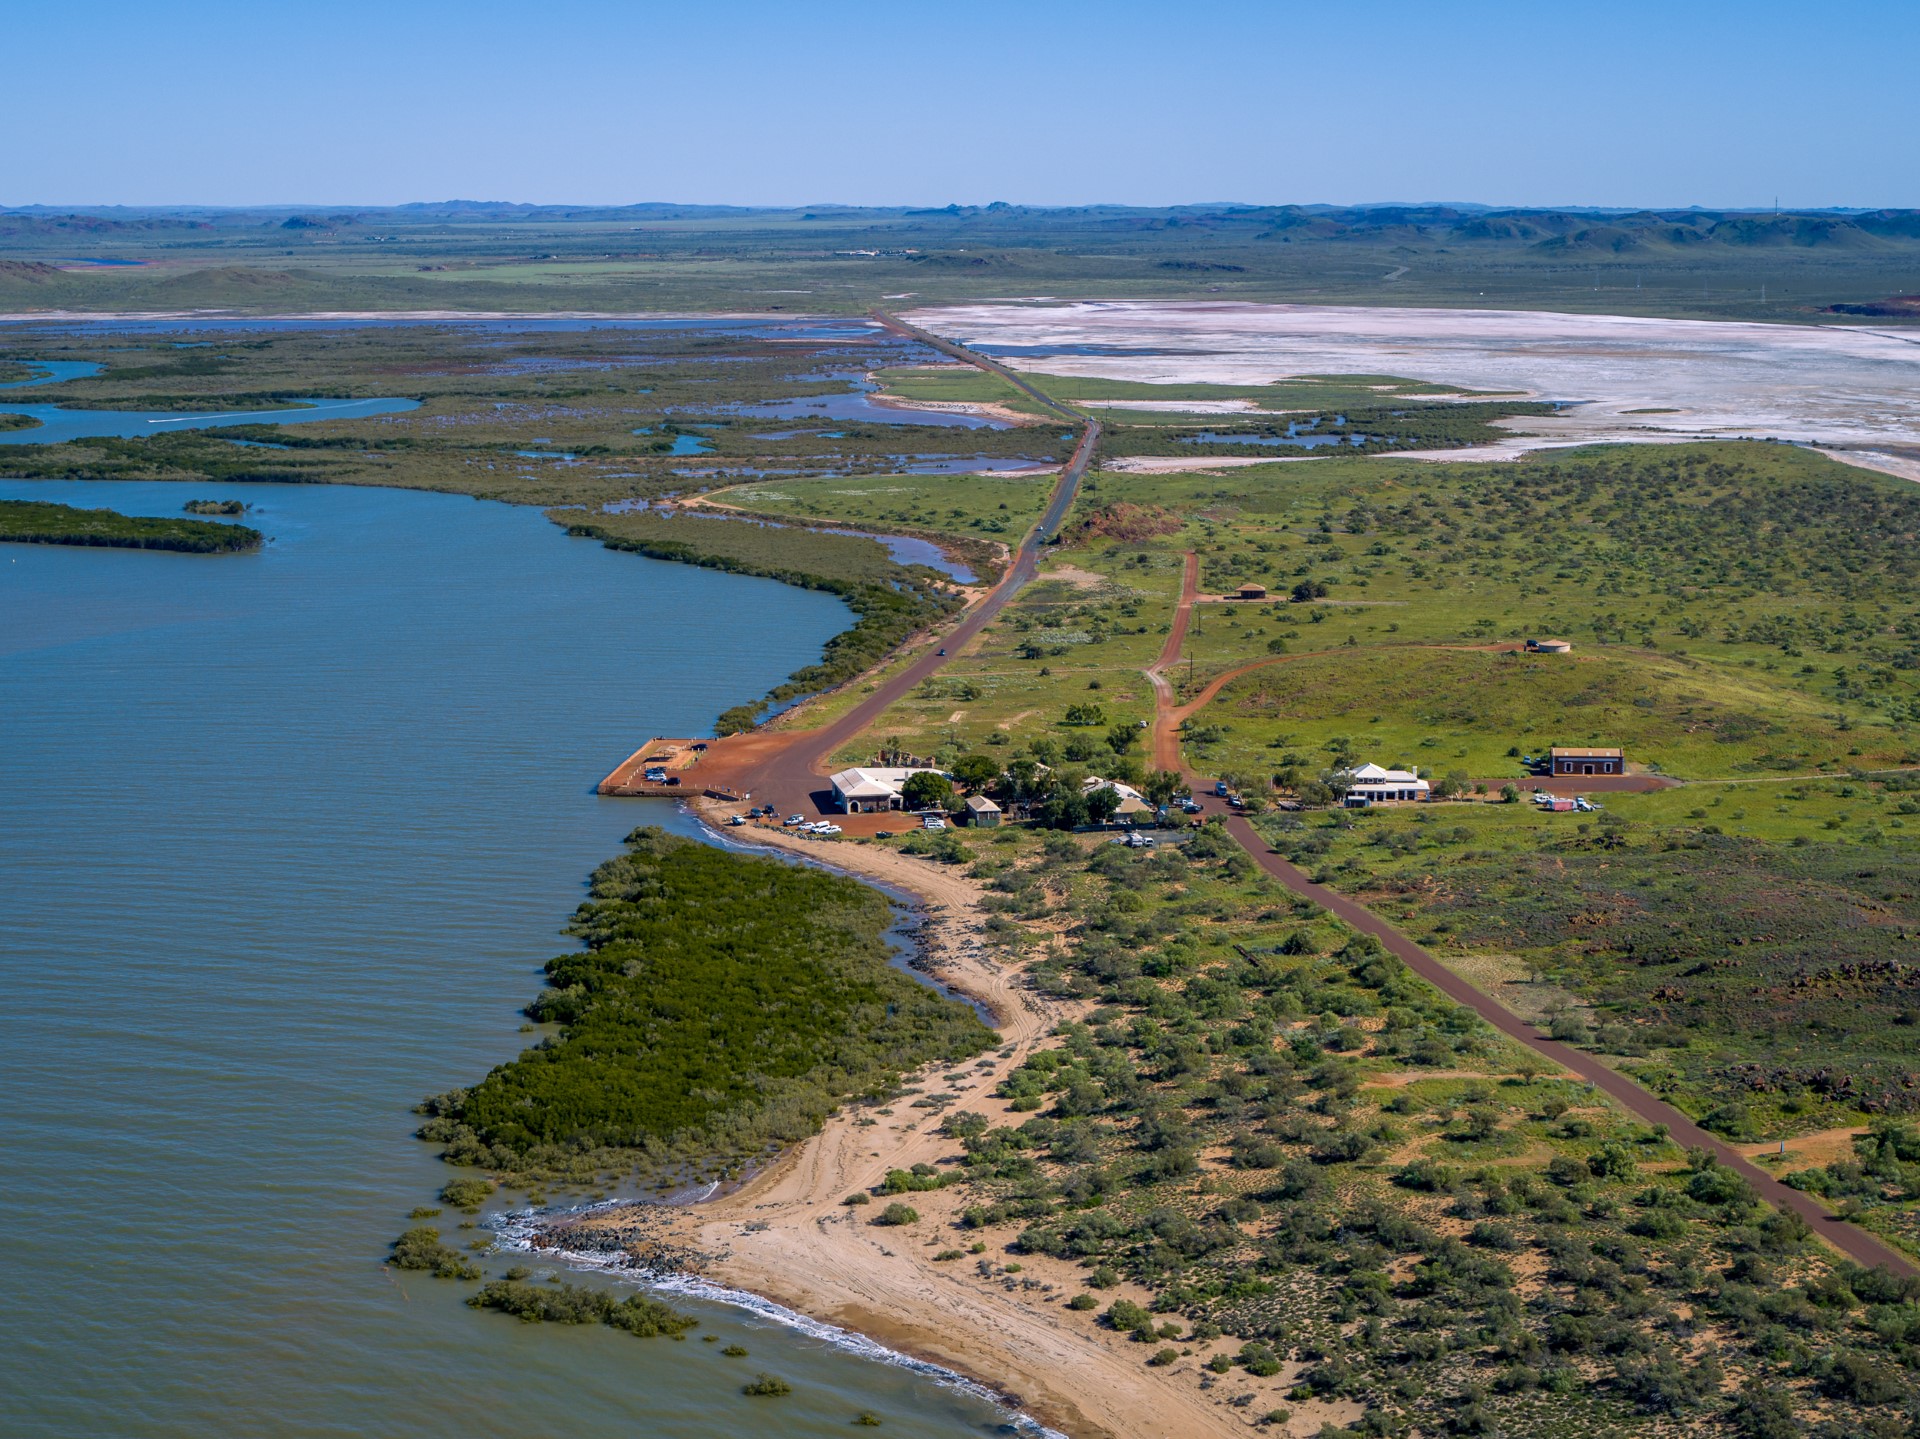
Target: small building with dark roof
[[982, 811], [1572, 761]]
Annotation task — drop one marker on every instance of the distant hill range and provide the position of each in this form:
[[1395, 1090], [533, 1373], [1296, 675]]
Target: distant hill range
[[1572, 229]]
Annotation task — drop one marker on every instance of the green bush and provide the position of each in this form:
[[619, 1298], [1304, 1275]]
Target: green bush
[[898, 1214], [767, 1386], [638, 1315], [420, 1248], [466, 1193], [723, 1004]]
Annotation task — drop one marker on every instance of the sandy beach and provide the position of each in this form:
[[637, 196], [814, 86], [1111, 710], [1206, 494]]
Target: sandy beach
[[994, 1317]]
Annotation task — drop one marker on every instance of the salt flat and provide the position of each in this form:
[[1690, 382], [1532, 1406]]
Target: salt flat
[[1852, 388]]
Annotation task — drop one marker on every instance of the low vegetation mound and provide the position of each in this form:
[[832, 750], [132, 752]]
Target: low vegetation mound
[[35, 522], [1125, 522], [723, 1005], [563, 1303]]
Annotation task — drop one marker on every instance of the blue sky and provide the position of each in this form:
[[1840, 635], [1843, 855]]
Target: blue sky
[[732, 101]]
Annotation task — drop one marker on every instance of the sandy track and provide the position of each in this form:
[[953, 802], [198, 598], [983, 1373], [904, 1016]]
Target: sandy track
[[807, 1250]]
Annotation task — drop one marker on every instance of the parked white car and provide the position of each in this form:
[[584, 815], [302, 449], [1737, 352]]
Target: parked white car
[[793, 819], [933, 821]]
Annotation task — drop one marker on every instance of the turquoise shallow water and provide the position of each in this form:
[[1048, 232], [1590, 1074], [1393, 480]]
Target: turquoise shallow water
[[287, 836]]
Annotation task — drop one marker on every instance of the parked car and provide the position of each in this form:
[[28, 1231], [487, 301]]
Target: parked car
[[1189, 806], [738, 819], [933, 821], [826, 829], [791, 820]]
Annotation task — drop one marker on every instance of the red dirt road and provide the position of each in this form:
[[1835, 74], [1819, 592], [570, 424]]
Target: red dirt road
[[787, 767]]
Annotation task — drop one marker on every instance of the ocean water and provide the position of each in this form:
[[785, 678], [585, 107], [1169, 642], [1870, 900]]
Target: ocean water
[[286, 838]]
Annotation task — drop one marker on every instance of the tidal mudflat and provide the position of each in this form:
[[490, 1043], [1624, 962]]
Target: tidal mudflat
[[1625, 378]]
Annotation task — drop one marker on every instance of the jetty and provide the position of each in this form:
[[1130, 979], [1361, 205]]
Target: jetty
[[664, 768]]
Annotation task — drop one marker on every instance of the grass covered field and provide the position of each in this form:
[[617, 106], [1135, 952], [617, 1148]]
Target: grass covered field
[[968, 506], [33, 522], [722, 1006], [1458, 709]]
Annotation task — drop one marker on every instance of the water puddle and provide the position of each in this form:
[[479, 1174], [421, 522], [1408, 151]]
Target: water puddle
[[857, 403], [1298, 436]]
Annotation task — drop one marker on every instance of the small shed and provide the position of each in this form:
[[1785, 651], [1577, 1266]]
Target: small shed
[[1570, 761], [982, 811], [1252, 592], [1550, 647]]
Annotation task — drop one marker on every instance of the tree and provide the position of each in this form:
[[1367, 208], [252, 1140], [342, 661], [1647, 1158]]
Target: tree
[[1086, 714], [1123, 737], [976, 771], [1162, 785], [1101, 803], [925, 789]]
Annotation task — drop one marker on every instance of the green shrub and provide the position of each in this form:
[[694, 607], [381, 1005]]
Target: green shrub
[[767, 1386], [898, 1214], [1083, 1302], [466, 1193], [638, 1315], [420, 1248], [723, 1003]]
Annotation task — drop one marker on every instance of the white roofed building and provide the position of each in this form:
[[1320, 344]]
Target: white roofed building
[[871, 791], [1131, 800], [1373, 784]]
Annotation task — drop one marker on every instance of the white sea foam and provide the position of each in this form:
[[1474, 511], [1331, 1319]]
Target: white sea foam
[[518, 1231]]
